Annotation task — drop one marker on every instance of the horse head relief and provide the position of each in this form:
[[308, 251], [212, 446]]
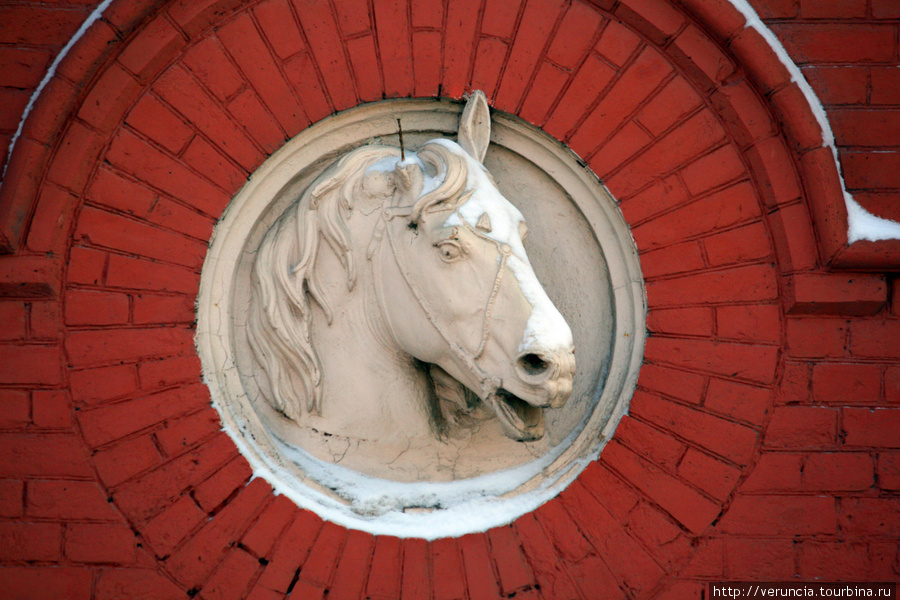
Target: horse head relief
[[379, 344], [395, 301]]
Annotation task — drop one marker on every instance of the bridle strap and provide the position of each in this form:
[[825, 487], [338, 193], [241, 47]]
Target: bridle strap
[[488, 384]]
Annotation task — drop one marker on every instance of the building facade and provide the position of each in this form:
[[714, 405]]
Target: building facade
[[763, 440]]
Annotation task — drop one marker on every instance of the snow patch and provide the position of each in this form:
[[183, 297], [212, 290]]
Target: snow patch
[[94, 16], [422, 510], [861, 224], [866, 226]]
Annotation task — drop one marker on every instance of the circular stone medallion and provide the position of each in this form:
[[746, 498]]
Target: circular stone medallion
[[355, 424]]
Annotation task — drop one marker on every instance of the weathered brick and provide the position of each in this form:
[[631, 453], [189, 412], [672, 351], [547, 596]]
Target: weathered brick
[[506, 548], [396, 51], [846, 383], [871, 427], [122, 233], [152, 118], [689, 139], [136, 584], [776, 472], [690, 321], [653, 444], [90, 386], [670, 106], [618, 43], [15, 409], [626, 559], [143, 496], [126, 459], [320, 27], [37, 455], [246, 46], [834, 561], [567, 537], [181, 433], [760, 559], [65, 500], [840, 42], [354, 560], [385, 571], [12, 498], [232, 577], [850, 471], [802, 427], [743, 244], [532, 33], [727, 439], [30, 364], [146, 53], [816, 337], [113, 421], [686, 505], [722, 209], [248, 108], [215, 490], [713, 476], [263, 534], [152, 166], [100, 543], [323, 557], [94, 347], [196, 559], [837, 294], [752, 362], [278, 27], [85, 307], [738, 400], [870, 516], [780, 516], [208, 61], [574, 35], [679, 384], [548, 569], [291, 551], [24, 540]]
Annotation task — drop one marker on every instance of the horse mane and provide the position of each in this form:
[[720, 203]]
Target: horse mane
[[284, 279]]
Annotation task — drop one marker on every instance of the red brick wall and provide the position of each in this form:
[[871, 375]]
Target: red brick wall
[[848, 52], [762, 442]]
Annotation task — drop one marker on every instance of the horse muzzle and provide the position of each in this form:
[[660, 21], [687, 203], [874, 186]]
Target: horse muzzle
[[545, 382], [548, 375]]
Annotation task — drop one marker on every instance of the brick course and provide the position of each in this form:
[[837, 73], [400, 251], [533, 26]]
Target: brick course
[[762, 441]]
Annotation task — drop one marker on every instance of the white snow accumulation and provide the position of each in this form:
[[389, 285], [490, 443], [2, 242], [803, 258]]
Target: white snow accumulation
[[95, 14], [861, 224]]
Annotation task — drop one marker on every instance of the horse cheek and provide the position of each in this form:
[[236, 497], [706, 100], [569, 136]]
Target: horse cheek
[[403, 314]]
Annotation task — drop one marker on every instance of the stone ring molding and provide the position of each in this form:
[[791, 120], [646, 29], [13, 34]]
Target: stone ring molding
[[389, 326]]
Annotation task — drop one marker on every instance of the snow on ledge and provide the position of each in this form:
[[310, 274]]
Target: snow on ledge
[[861, 224], [94, 16]]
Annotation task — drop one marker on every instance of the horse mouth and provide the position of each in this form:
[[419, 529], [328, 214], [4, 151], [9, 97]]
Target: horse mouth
[[520, 420]]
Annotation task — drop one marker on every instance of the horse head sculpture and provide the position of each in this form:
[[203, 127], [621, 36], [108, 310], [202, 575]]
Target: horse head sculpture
[[420, 310]]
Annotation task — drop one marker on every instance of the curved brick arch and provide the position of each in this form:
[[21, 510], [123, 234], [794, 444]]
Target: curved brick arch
[[654, 20], [192, 102]]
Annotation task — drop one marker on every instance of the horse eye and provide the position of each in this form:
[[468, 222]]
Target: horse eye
[[450, 250], [523, 230]]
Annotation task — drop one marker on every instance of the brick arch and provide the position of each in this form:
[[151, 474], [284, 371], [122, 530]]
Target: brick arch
[[177, 116]]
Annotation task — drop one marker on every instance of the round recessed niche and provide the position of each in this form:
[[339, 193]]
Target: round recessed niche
[[375, 453]]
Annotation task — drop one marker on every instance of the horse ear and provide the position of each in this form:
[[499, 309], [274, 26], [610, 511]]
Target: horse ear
[[475, 126]]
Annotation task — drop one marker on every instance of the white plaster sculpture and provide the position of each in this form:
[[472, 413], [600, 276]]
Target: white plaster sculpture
[[395, 298]]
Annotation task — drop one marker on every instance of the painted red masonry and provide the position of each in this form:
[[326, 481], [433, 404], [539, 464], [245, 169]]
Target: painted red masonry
[[762, 443]]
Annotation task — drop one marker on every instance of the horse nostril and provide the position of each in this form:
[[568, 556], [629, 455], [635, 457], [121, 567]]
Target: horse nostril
[[533, 364]]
